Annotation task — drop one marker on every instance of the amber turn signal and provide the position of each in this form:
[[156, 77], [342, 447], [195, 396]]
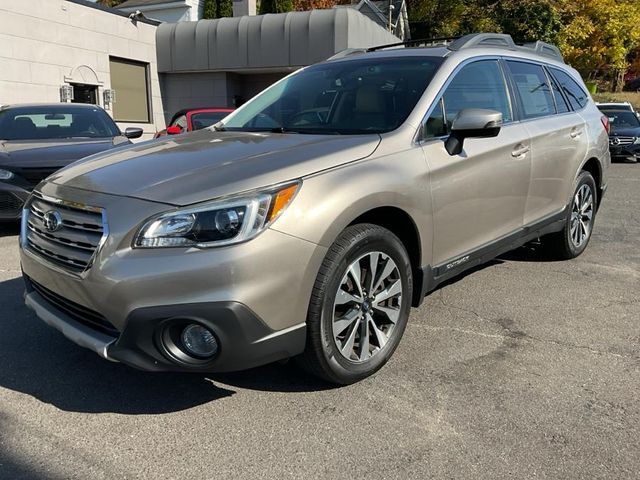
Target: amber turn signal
[[281, 200]]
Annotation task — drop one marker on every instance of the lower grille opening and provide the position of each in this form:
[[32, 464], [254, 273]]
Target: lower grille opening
[[10, 202], [80, 314]]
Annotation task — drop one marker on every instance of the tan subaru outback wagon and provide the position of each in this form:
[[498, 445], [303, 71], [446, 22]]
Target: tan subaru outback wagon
[[308, 222]]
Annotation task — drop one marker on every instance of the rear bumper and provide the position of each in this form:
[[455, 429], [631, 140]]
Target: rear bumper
[[244, 340]]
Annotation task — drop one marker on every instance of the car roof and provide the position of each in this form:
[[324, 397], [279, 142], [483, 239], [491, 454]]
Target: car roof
[[469, 46], [50, 105]]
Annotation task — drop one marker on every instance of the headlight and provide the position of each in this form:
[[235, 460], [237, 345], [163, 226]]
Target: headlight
[[636, 141], [217, 223], [5, 174]]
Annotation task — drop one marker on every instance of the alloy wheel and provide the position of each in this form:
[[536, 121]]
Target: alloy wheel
[[581, 215], [367, 306]]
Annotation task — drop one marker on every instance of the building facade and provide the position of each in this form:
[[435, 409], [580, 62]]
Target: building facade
[[74, 50], [142, 72], [171, 11], [226, 61]]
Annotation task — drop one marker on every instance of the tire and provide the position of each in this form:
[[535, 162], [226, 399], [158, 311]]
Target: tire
[[570, 242], [338, 348]]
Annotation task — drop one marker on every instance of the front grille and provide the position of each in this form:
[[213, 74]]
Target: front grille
[[35, 175], [622, 140], [10, 203], [80, 314], [74, 243]]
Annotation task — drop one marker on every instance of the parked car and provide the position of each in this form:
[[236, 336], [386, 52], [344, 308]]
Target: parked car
[[320, 211], [618, 106], [38, 139], [624, 134], [191, 119]]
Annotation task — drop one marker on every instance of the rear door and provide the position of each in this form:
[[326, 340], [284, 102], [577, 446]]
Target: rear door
[[479, 195], [558, 138]]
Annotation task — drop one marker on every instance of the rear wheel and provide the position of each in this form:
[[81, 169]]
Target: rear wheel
[[359, 306], [574, 237]]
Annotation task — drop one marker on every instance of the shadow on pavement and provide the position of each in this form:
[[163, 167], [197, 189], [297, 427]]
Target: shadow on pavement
[[9, 228], [530, 252], [38, 361]]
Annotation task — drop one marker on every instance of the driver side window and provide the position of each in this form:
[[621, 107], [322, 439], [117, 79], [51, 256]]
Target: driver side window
[[477, 85]]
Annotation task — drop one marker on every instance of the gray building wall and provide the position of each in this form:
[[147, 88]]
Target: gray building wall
[[210, 89], [274, 41], [192, 90]]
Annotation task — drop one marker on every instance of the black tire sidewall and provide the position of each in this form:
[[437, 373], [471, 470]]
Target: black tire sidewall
[[377, 239], [583, 178]]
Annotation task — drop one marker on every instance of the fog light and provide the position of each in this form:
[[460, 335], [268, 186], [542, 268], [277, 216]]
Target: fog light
[[199, 341]]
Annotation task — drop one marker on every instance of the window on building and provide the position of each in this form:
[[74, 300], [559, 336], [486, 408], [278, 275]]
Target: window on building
[[130, 81]]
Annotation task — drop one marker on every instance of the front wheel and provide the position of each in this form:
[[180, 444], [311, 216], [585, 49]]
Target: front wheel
[[359, 306], [574, 237]]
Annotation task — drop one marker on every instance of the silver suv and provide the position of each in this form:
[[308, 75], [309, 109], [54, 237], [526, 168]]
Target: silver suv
[[309, 221]]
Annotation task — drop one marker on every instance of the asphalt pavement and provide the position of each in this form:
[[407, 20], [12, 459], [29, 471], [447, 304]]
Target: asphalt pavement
[[525, 368]]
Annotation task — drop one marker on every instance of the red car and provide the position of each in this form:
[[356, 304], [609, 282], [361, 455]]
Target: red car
[[190, 119]]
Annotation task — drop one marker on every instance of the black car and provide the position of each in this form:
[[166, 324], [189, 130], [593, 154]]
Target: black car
[[37, 140], [624, 134]]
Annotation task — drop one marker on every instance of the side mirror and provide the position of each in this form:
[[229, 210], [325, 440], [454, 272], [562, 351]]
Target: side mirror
[[133, 132], [174, 130], [472, 123]]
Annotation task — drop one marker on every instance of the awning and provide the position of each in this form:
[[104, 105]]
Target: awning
[[264, 42]]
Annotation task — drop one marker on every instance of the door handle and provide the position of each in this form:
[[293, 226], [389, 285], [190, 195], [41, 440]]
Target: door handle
[[519, 151], [575, 133]]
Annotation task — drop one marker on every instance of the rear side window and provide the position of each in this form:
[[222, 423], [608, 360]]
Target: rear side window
[[561, 103], [532, 88], [478, 85], [574, 92]]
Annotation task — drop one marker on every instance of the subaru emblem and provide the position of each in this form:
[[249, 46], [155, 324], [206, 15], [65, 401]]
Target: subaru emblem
[[52, 221]]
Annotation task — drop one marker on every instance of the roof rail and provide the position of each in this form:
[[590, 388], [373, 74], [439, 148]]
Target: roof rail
[[415, 43], [502, 40], [484, 40], [346, 52], [546, 49]]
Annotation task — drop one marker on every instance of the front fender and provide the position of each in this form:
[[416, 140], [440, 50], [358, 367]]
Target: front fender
[[331, 200]]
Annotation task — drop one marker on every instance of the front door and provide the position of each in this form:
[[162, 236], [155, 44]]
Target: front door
[[478, 196]]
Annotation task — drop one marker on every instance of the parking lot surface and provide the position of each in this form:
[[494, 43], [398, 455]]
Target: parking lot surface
[[525, 368]]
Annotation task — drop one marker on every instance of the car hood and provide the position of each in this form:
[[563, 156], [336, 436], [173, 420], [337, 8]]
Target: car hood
[[202, 165], [625, 132], [51, 153]]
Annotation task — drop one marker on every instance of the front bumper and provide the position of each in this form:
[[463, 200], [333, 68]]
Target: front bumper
[[12, 198], [625, 152], [254, 296], [245, 341]]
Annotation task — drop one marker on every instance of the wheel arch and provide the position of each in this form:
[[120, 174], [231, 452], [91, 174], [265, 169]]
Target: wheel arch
[[402, 225], [593, 166]]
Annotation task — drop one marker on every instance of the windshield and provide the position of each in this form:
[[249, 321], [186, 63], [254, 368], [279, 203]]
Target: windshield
[[55, 122], [347, 97], [202, 120], [622, 119]]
